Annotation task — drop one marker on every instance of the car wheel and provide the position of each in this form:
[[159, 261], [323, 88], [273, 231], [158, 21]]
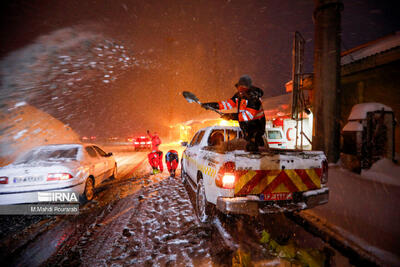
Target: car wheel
[[89, 189], [114, 173], [204, 210]]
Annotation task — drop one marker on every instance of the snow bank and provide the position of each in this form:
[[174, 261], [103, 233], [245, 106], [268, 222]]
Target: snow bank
[[384, 171], [26, 127], [359, 111], [353, 126]]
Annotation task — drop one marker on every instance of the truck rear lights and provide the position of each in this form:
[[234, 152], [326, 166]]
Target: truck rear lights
[[228, 180], [3, 180], [226, 177], [58, 176], [324, 176]]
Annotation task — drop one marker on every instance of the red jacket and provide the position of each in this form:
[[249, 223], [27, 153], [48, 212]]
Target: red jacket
[[155, 141]]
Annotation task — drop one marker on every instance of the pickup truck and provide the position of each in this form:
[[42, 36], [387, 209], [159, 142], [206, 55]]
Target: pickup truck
[[228, 179]]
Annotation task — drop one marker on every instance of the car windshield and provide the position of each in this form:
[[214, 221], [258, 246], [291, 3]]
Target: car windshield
[[49, 154]]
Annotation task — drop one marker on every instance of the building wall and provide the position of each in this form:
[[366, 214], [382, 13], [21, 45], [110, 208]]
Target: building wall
[[360, 83]]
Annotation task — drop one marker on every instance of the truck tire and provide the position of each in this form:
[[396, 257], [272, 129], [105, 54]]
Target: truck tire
[[204, 210]]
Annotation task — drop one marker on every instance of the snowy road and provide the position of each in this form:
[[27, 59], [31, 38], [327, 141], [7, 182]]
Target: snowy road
[[144, 220]]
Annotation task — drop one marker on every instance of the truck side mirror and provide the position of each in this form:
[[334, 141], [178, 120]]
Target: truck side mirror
[[184, 143]]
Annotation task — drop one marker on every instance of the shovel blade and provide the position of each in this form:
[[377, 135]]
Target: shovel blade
[[190, 97]]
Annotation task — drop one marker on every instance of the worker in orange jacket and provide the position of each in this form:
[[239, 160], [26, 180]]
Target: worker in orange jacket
[[250, 112]]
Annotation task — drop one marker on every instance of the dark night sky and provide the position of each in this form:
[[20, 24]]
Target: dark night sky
[[201, 46]]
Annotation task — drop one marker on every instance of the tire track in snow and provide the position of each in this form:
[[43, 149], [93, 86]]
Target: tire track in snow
[[156, 226]]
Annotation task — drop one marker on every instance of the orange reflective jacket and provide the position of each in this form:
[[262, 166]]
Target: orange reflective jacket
[[249, 108]]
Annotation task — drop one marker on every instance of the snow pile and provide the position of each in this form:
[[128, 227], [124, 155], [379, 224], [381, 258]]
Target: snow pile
[[384, 171], [353, 126], [359, 111], [25, 127]]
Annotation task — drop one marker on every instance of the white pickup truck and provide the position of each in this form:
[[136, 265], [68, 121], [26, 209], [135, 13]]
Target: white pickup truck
[[227, 178]]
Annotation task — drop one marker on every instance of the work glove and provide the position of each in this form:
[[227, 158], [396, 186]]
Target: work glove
[[210, 105]]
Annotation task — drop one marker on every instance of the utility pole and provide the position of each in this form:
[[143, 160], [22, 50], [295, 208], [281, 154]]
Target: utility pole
[[326, 99]]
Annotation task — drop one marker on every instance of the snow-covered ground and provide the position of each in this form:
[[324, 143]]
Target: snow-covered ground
[[365, 208], [155, 227], [384, 171]]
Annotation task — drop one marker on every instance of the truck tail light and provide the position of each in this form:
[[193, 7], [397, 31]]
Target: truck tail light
[[58, 176], [3, 180], [226, 177], [324, 176]]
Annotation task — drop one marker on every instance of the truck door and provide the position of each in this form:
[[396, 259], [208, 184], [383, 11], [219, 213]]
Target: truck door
[[192, 153]]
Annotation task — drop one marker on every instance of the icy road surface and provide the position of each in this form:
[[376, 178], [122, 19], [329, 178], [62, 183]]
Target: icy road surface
[[156, 227]]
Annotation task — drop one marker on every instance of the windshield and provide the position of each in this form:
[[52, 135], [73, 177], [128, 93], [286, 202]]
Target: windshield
[[46, 154]]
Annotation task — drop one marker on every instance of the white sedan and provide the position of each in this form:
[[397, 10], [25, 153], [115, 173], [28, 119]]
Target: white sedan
[[78, 168]]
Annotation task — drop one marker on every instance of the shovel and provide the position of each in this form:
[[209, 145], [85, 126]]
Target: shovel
[[190, 97]]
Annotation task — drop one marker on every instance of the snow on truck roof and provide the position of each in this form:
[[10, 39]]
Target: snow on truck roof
[[221, 127], [359, 111], [353, 126]]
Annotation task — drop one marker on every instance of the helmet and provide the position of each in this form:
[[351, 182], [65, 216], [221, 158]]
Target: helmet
[[244, 80]]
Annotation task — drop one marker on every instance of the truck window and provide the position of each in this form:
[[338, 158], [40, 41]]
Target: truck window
[[216, 138], [199, 138], [230, 135], [194, 139]]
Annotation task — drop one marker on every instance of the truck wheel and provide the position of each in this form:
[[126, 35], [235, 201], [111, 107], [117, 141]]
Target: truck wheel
[[204, 210]]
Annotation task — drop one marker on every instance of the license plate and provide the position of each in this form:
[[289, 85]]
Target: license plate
[[276, 196], [28, 179]]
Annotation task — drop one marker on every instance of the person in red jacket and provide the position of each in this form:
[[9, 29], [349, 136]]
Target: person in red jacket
[[155, 140], [250, 113], [155, 160], [172, 161]]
